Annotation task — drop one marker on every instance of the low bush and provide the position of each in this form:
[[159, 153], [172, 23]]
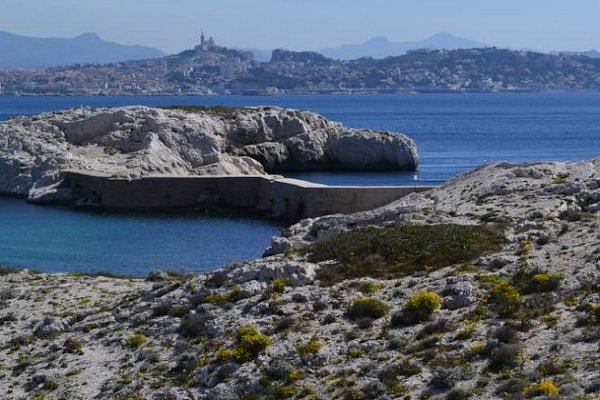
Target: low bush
[[555, 366], [506, 334], [418, 308], [367, 307], [536, 281], [447, 378], [401, 250], [505, 297], [513, 387], [390, 375], [136, 340], [220, 299], [280, 370], [369, 288], [249, 343], [595, 314], [543, 388], [278, 286], [192, 326], [505, 356], [73, 346], [313, 346]]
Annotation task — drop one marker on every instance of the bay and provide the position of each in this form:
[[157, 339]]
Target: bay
[[454, 133]]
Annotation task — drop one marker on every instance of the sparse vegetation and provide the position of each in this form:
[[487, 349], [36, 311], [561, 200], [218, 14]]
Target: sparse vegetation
[[401, 250], [543, 388], [418, 308], [367, 307], [249, 343], [313, 346], [136, 340], [505, 297]]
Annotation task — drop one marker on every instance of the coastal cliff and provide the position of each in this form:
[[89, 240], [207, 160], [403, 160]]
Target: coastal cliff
[[485, 288], [131, 142]]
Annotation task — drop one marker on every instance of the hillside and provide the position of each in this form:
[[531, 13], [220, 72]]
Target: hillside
[[225, 71], [486, 288], [18, 52]]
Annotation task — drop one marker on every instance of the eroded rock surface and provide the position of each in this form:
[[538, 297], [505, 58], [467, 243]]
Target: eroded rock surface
[[137, 141]]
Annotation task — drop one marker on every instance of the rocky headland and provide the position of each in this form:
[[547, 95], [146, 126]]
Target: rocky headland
[[485, 288], [138, 141]]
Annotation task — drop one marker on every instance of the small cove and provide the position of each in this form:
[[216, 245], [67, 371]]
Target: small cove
[[57, 239], [453, 132]]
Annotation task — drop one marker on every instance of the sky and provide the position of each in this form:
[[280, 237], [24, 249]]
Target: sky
[[175, 25]]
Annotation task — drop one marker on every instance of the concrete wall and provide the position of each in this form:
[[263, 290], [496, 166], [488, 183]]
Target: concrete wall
[[289, 199]]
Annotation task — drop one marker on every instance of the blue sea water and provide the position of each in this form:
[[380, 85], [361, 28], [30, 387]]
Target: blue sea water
[[453, 133], [58, 239]]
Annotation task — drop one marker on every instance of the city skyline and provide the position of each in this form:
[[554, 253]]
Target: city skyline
[[308, 25]]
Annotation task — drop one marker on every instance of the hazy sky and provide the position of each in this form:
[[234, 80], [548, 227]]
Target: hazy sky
[[174, 25]]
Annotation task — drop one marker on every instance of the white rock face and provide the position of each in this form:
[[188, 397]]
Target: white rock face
[[473, 193], [136, 141]]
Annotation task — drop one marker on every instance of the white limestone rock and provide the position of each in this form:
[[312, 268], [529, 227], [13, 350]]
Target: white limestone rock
[[137, 141]]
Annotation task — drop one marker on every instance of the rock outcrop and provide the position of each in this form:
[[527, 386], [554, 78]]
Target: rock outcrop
[[137, 141]]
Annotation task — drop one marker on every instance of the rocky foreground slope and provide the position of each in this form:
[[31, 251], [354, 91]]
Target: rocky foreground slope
[[137, 141], [486, 288]]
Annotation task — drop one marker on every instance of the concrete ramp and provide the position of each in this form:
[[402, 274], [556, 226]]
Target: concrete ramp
[[289, 199]]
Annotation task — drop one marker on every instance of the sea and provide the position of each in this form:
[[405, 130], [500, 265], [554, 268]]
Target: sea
[[453, 132]]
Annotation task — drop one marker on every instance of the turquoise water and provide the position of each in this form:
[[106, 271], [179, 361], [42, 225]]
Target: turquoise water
[[453, 132], [56, 239]]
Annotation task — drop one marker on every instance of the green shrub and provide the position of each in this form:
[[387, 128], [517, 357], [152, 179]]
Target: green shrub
[[370, 288], [313, 346], [555, 366], [73, 346], [218, 109], [220, 299], [278, 286], [249, 343], [506, 297], [418, 308], [505, 356], [543, 388], [537, 281], [192, 326], [136, 340], [560, 179], [595, 314], [424, 301], [400, 250], [367, 307]]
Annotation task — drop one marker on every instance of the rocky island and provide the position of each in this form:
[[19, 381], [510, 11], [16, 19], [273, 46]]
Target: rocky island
[[133, 142], [485, 288]]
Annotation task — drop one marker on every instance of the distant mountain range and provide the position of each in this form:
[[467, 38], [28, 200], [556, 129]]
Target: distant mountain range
[[22, 52], [381, 47]]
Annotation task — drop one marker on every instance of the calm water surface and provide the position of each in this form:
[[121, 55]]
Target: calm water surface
[[57, 239], [453, 133]]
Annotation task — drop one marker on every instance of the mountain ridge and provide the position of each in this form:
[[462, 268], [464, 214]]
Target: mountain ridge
[[382, 47], [25, 52]]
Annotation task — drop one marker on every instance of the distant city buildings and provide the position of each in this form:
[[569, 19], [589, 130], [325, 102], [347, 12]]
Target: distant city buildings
[[209, 68]]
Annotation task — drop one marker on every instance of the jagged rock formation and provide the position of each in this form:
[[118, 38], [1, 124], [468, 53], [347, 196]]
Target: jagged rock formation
[[519, 321], [136, 141]]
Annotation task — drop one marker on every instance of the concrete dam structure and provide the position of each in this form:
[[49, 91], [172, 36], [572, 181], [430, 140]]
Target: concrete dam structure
[[285, 198]]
